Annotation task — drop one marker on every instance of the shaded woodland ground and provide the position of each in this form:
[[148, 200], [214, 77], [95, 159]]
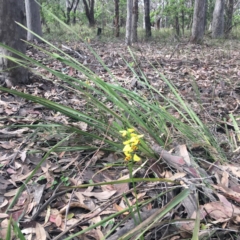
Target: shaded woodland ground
[[207, 78]]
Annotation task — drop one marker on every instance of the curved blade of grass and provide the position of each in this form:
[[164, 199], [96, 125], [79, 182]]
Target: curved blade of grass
[[74, 114], [146, 225], [8, 235], [143, 204], [235, 125], [196, 227], [17, 231], [76, 130]]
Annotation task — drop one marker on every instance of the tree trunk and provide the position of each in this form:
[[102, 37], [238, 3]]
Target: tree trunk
[[177, 27], [134, 21], [218, 19], [129, 22], [206, 12], [147, 18], [190, 5], [183, 21], [199, 16], [69, 6], [33, 20], [89, 10], [117, 25], [157, 24], [229, 16], [143, 26], [74, 11], [11, 35]]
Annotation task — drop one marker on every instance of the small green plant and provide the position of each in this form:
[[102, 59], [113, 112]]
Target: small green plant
[[54, 184], [65, 180], [41, 178]]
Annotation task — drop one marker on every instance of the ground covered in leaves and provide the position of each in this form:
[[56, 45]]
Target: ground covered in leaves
[[206, 75]]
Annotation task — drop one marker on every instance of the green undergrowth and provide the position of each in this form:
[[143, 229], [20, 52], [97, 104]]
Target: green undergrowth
[[61, 34], [83, 32]]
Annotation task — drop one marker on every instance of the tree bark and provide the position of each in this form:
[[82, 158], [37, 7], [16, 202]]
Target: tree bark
[[89, 10], [11, 35], [229, 16], [33, 20], [206, 11], [218, 19], [177, 27], [74, 11], [117, 25], [199, 16], [183, 21], [134, 21], [147, 18], [69, 6], [129, 22]]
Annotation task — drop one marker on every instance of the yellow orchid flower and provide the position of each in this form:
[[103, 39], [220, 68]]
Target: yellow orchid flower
[[127, 148], [127, 142], [134, 148], [134, 141], [130, 130], [128, 158], [136, 135], [125, 132], [131, 144], [136, 158]]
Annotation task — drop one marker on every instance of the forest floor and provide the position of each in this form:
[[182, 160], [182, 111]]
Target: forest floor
[[205, 75]]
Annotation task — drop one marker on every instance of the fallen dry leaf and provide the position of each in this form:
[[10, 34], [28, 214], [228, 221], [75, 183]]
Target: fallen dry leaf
[[74, 205], [40, 232], [235, 170], [183, 152], [218, 210], [100, 195], [119, 208], [3, 229], [4, 215], [228, 192]]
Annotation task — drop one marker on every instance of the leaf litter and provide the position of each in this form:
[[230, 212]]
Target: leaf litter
[[204, 75]]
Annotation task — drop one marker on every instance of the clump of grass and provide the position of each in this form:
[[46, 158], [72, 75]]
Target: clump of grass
[[131, 111]]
